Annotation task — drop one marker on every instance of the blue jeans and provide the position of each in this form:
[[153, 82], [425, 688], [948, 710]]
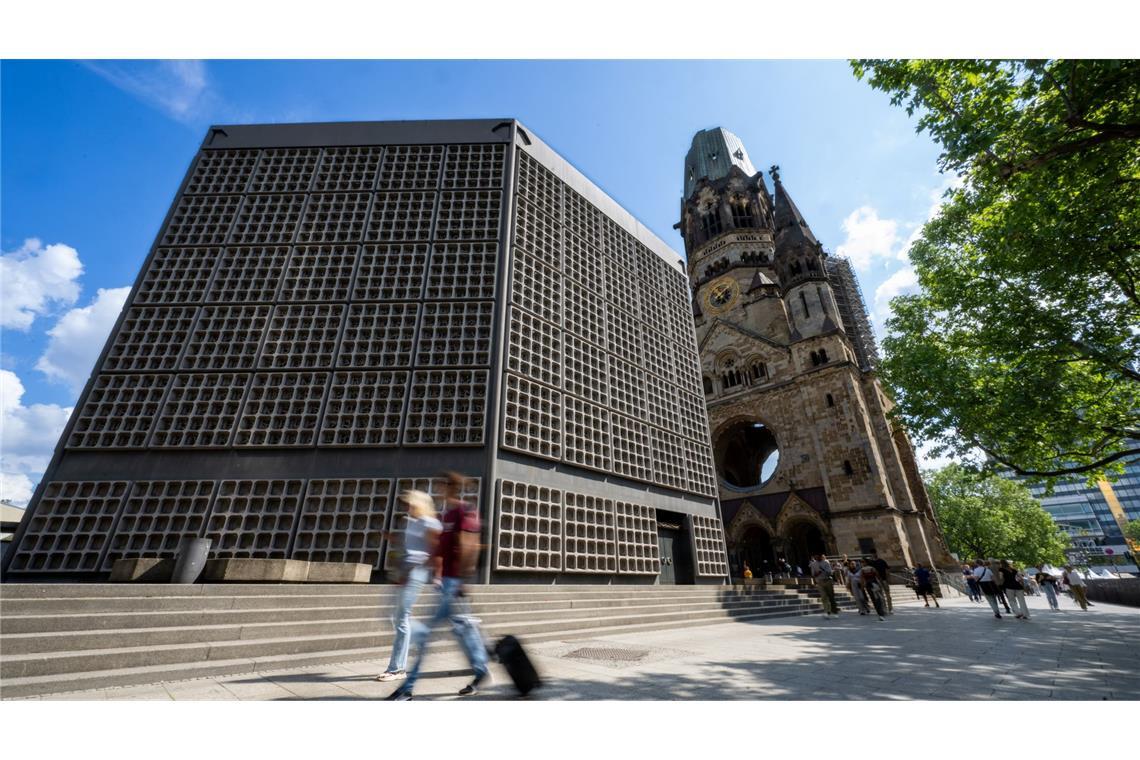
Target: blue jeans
[[1051, 595], [461, 625], [402, 615]]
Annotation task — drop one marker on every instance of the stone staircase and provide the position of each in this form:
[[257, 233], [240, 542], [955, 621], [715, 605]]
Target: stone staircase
[[71, 637]]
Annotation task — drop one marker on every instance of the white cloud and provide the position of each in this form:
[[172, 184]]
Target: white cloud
[[869, 237], [903, 281], [180, 89], [34, 278], [28, 435], [78, 337]]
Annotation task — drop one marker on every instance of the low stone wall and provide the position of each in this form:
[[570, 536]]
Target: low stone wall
[[1115, 591]]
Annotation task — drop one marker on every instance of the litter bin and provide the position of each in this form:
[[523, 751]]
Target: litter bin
[[192, 553]]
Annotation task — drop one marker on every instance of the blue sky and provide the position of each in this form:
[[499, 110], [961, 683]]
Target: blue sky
[[93, 152]]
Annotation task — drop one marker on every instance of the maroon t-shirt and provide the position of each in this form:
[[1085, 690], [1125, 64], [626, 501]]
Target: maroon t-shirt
[[460, 517]]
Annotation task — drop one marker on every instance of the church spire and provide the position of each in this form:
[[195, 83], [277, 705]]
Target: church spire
[[789, 222]]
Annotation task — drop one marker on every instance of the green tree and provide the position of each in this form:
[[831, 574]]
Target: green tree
[[1132, 530], [1024, 338], [985, 515]]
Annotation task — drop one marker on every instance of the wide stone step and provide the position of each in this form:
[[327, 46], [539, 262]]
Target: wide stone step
[[147, 674], [35, 664], [111, 604], [364, 621]]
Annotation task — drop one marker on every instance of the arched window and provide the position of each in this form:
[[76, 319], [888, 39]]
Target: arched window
[[710, 223], [847, 468], [708, 385], [803, 300], [730, 374], [823, 356], [757, 372], [814, 359], [830, 400], [741, 214]]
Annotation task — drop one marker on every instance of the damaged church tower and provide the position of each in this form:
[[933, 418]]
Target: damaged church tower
[[807, 458]]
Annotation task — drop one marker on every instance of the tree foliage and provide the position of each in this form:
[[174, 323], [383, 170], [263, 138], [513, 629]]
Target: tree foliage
[[1024, 340], [985, 515], [1132, 530]]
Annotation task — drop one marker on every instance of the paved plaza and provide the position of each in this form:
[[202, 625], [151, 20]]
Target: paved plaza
[[957, 652]]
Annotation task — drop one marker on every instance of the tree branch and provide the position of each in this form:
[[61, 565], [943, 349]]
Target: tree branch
[[1056, 473], [1126, 131]]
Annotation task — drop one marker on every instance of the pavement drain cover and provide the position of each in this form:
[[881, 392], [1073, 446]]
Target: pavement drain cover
[[608, 654]]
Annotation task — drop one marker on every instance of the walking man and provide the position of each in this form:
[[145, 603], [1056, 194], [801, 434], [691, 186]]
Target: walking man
[[1077, 586], [856, 587], [458, 552], [821, 573], [1048, 585], [985, 578]]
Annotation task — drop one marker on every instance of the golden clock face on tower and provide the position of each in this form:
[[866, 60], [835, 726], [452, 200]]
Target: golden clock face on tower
[[721, 294]]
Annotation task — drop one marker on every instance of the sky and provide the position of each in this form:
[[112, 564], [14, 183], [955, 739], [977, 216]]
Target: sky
[[93, 152]]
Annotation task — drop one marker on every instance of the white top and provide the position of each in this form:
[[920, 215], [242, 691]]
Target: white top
[[416, 546], [1076, 580], [983, 574], [821, 571]]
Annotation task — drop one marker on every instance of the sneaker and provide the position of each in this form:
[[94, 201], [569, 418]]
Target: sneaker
[[392, 675], [472, 688], [400, 695], [997, 615], [882, 619]]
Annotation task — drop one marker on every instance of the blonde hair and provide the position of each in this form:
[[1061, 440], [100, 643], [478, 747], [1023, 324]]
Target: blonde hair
[[419, 504]]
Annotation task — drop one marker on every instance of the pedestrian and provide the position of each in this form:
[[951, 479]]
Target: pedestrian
[[883, 571], [1014, 589], [1048, 586], [855, 586], [869, 579], [458, 552], [923, 585], [421, 536], [973, 590], [747, 572], [821, 573], [995, 569], [1077, 587], [985, 577]]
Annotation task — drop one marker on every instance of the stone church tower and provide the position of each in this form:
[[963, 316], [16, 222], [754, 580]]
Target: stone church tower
[[806, 455]]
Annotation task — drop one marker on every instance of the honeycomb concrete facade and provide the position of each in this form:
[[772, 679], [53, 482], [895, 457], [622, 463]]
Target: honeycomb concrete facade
[[807, 457], [332, 313]]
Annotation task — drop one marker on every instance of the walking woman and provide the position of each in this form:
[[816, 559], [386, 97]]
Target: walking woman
[[872, 588], [973, 589], [1048, 586], [1014, 589], [421, 535], [856, 587], [924, 585]]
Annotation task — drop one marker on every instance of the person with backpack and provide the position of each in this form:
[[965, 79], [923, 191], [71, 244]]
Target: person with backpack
[[421, 535], [995, 569], [458, 552], [985, 578], [924, 585], [851, 574], [1014, 589]]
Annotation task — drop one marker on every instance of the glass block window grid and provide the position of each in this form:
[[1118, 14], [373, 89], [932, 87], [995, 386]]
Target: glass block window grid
[[348, 169], [157, 516], [302, 336], [254, 518], [282, 409], [343, 521], [119, 412], [284, 170], [532, 418], [151, 339], [637, 549], [589, 534], [177, 275], [200, 411], [266, 219], [709, 540], [529, 530], [446, 407], [219, 172], [580, 280], [70, 528], [364, 409], [474, 166]]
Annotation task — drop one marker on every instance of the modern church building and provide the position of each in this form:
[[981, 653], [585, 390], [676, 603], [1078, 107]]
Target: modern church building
[[333, 313]]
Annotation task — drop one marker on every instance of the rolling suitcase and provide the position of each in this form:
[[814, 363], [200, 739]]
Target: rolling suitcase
[[511, 655]]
